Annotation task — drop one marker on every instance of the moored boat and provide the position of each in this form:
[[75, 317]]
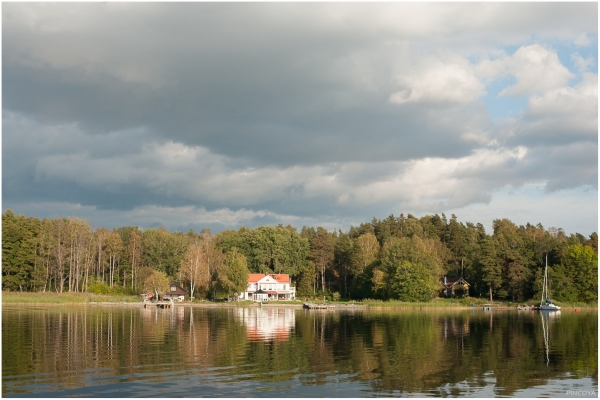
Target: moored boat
[[547, 305]]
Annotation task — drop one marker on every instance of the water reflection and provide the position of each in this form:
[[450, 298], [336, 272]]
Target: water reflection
[[547, 316], [241, 352], [458, 327], [267, 324]]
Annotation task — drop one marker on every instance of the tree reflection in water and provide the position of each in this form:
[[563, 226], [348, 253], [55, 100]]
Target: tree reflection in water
[[54, 349]]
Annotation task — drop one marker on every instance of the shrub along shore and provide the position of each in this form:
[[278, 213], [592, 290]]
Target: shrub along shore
[[84, 298]]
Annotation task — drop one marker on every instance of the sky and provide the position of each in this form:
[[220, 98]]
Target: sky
[[221, 115]]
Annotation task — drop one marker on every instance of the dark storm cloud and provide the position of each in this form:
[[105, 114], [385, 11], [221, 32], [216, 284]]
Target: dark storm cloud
[[242, 80], [287, 125]]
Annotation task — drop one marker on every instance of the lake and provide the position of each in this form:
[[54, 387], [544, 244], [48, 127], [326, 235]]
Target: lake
[[131, 351]]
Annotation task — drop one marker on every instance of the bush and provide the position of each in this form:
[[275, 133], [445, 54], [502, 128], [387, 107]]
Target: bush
[[97, 287]]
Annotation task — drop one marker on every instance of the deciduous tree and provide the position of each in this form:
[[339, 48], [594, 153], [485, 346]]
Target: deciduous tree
[[235, 279], [194, 267], [321, 252], [158, 283]]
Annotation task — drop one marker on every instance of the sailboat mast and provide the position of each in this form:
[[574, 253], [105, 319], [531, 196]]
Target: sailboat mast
[[545, 280]]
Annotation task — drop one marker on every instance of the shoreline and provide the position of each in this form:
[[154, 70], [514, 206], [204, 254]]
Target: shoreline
[[70, 299], [288, 305]]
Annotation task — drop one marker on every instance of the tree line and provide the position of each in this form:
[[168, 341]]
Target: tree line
[[401, 257]]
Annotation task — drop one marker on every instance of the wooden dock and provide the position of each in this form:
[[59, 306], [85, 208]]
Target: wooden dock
[[312, 306], [161, 304]]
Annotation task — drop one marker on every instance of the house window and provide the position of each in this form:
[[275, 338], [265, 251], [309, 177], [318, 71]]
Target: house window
[[173, 288]]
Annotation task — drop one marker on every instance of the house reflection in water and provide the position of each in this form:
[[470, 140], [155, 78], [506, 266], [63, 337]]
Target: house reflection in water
[[457, 327], [267, 324]]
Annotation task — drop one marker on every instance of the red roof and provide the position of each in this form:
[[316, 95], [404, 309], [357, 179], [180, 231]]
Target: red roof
[[281, 278], [255, 277]]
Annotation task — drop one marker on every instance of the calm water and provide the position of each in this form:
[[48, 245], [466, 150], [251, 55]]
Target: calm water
[[129, 351]]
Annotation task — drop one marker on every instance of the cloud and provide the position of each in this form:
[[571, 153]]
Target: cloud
[[319, 112], [582, 40], [438, 81], [582, 64], [276, 83], [562, 115], [537, 70], [194, 175], [532, 204]]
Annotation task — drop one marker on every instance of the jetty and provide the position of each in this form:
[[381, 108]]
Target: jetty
[[527, 307], [324, 306], [161, 304]]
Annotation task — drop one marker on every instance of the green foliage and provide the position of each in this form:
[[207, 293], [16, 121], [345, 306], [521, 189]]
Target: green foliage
[[235, 278], [322, 246], [413, 282], [490, 265], [362, 286], [306, 281], [582, 263], [157, 283], [394, 258], [163, 250], [413, 269], [269, 249], [364, 252], [97, 287], [19, 242]]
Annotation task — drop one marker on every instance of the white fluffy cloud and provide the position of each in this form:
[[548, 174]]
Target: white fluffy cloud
[[537, 69], [566, 100], [435, 80], [565, 114]]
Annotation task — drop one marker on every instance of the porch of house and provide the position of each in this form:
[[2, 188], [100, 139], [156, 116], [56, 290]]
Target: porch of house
[[270, 295]]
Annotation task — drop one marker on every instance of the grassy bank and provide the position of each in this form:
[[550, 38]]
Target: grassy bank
[[63, 298]]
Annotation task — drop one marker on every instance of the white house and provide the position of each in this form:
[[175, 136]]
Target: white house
[[263, 287]]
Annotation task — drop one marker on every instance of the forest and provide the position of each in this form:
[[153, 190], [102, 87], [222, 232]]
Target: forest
[[401, 258]]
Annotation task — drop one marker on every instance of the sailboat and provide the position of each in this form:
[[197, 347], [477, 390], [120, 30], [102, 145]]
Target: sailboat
[[547, 305]]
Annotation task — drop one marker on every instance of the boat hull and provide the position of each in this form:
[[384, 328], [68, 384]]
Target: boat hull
[[551, 307]]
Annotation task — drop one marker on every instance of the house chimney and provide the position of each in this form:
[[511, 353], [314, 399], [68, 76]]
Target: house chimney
[[444, 280]]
